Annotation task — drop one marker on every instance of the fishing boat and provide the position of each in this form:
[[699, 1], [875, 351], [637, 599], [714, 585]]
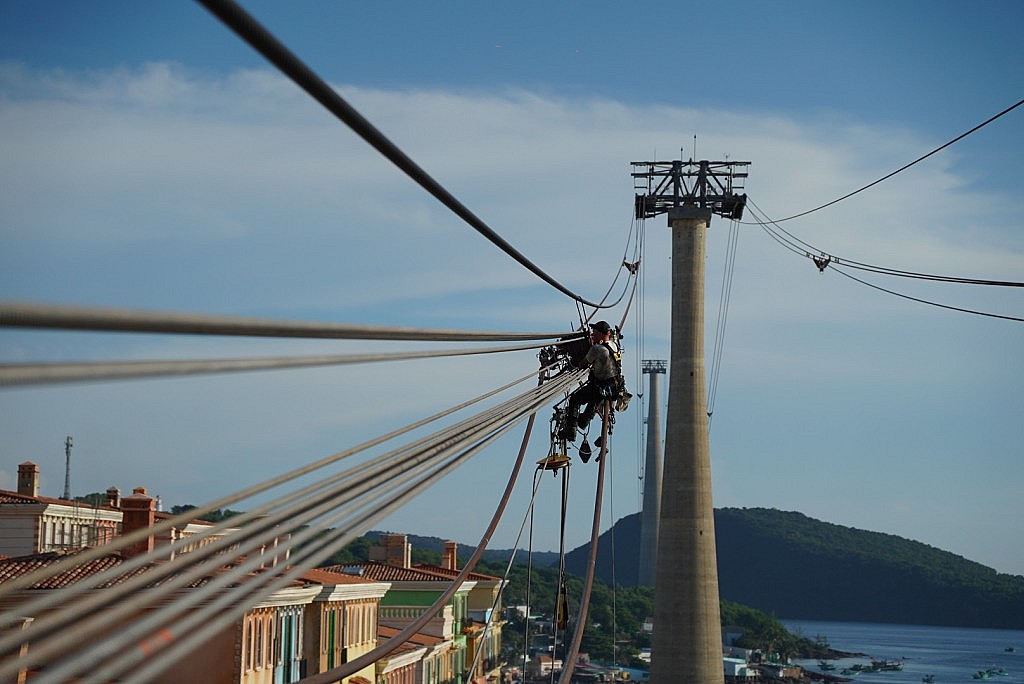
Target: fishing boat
[[887, 665]]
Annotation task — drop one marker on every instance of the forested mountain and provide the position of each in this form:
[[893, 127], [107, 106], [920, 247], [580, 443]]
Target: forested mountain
[[790, 565], [794, 566]]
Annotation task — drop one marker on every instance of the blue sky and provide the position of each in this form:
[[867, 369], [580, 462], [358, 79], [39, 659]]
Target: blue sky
[[152, 160]]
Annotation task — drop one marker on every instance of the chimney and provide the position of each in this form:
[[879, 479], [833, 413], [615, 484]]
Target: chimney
[[449, 558], [113, 497], [397, 550], [28, 479], [138, 511]]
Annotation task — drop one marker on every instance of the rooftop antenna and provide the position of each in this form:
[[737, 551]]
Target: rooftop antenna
[[67, 469]]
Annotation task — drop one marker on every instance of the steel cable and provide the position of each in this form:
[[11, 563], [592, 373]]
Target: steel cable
[[248, 29], [805, 249], [827, 261], [905, 166], [718, 348], [264, 520], [402, 636], [930, 303], [196, 627], [550, 392], [45, 373], [29, 315], [347, 489], [164, 526], [195, 637]]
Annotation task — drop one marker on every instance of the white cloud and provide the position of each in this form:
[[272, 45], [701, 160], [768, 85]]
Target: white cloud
[[159, 188]]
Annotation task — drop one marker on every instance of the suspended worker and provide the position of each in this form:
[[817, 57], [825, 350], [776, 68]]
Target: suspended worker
[[604, 382]]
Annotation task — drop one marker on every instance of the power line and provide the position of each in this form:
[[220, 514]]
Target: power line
[[905, 166], [250, 30]]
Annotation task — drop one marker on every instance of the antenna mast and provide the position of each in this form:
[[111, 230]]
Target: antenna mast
[[67, 469]]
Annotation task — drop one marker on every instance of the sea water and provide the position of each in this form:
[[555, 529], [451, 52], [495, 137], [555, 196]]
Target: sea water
[[951, 654]]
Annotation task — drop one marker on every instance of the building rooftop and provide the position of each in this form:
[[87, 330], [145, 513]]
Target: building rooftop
[[12, 568], [327, 577], [417, 639], [11, 497], [383, 572], [451, 573]]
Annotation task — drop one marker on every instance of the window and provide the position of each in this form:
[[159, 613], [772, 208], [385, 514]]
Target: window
[[247, 644], [259, 643], [275, 639]]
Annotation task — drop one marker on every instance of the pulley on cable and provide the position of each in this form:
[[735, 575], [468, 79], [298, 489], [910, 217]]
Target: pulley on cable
[[558, 453]]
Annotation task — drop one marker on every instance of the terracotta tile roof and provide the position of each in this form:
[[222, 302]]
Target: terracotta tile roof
[[326, 576], [11, 568], [9, 497], [382, 572], [418, 639], [452, 574]]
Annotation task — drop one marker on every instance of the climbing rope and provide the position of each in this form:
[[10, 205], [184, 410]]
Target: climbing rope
[[588, 583]]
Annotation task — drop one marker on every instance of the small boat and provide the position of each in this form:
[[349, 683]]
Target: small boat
[[1008, 649], [928, 679], [887, 665], [850, 671], [825, 665], [981, 674]]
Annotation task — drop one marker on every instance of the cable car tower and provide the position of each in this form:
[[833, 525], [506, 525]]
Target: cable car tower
[[687, 641]]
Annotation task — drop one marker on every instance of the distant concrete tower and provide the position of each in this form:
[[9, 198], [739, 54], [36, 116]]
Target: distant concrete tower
[[652, 478], [67, 469]]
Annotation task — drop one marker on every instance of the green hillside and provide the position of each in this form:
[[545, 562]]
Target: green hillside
[[790, 565]]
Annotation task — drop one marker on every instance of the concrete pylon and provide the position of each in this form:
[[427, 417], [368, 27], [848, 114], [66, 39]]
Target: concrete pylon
[[652, 477], [687, 642]]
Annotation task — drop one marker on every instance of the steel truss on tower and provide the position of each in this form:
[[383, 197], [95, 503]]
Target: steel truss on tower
[[705, 184]]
